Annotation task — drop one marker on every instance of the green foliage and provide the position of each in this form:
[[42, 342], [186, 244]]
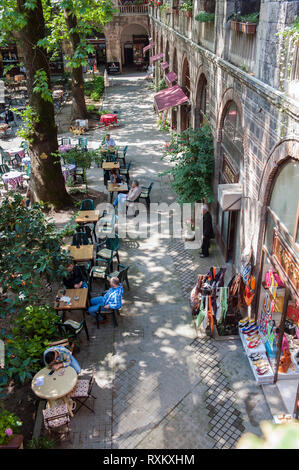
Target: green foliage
[[42, 442], [292, 31], [192, 153], [90, 108], [95, 87], [32, 330], [42, 85], [251, 18], [204, 17], [79, 157], [163, 124], [104, 111], [29, 252], [8, 421], [29, 119], [187, 6], [161, 85]]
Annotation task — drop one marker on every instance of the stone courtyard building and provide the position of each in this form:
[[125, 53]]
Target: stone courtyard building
[[248, 87]]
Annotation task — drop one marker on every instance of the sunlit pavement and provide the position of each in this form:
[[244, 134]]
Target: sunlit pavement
[[157, 384]]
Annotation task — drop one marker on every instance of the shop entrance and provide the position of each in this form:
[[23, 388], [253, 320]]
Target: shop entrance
[[128, 52], [134, 38]]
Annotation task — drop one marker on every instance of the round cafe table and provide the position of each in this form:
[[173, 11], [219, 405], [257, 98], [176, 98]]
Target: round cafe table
[[13, 179], [108, 119], [68, 170], [55, 386], [20, 151]]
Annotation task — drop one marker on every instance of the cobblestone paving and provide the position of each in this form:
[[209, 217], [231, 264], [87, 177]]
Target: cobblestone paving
[[158, 386]]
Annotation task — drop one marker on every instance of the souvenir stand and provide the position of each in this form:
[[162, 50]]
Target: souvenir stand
[[214, 306], [278, 318]]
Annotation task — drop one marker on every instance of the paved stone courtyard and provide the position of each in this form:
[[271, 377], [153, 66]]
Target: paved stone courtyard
[[158, 385]]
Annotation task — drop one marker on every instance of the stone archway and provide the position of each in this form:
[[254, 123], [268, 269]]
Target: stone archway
[[201, 101], [133, 38], [185, 111]]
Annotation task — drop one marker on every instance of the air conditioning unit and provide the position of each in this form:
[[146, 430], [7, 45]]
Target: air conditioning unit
[[230, 196]]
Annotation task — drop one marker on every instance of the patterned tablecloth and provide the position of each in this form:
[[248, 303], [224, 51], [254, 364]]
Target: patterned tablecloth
[[68, 170], [108, 119], [13, 179], [20, 151], [65, 148]]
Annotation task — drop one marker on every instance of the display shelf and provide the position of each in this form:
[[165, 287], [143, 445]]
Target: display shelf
[[260, 379], [292, 373]]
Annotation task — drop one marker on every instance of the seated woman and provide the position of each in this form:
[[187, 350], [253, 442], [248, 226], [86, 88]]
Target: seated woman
[[115, 176], [124, 199], [58, 357], [75, 279], [111, 300]]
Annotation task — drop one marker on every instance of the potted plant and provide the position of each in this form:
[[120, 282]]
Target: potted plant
[[9, 425], [249, 22], [205, 17], [234, 20], [187, 8]]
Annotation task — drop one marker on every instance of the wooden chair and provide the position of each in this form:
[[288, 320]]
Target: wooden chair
[[82, 392]]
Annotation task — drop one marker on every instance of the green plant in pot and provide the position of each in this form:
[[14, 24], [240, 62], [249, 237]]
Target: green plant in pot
[[249, 22], [204, 17], [187, 7], [9, 426]]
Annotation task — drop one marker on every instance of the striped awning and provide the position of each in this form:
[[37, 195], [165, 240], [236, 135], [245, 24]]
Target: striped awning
[[147, 48], [169, 97], [164, 65], [171, 77], [154, 58]]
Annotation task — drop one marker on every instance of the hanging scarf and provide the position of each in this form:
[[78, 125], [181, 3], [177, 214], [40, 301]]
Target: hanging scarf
[[224, 303], [202, 313], [210, 314]]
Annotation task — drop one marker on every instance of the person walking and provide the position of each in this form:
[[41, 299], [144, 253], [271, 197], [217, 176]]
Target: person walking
[[208, 231]]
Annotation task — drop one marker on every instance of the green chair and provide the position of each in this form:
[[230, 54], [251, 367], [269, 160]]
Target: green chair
[[72, 329], [145, 194], [107, 250], [125, 171], [80, 238], [4, 169], [123, 158], [82, 142], [99, 271], [121, 273], [87, 205]]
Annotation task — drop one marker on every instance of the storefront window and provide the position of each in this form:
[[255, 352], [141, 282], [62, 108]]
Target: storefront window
[[285, 196], [232, 133]]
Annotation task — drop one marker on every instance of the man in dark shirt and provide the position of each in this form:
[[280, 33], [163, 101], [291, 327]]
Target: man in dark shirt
[[75, 279], [208, 231]]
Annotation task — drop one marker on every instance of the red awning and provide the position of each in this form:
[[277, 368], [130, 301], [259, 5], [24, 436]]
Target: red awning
[[164, 65], [154, 58], [171, 77], [169, 98], [146, 48]]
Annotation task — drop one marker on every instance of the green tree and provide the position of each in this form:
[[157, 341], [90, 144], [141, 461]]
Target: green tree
[[23, 21], [192, 153], [70, 22]]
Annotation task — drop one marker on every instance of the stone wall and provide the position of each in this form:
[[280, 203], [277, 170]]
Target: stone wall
[[268, 117]]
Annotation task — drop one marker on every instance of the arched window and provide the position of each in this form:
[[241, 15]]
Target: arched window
[[186, 78], [232, 134], [175, 62], [167, 52], [202, 101], [283, 209], [161, 43]]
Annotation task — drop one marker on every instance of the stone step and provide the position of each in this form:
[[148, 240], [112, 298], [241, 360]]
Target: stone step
[[274, 400]]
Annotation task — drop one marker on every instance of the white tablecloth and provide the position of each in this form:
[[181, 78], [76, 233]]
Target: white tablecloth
[[13, 179]]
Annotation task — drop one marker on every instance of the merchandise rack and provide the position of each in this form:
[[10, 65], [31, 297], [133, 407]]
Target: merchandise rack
[[260, 379]]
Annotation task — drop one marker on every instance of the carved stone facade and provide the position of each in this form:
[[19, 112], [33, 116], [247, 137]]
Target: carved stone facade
[[244, 71]]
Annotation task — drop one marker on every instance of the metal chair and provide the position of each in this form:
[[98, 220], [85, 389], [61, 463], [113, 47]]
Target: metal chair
[[107, 250], [82, 142], [123, 158], [125, 171], [4, 168], [65, 141], [121, 273], [87, 205], [73, 328], [82, 392], [80, 238], [56, 417], [145, 194]]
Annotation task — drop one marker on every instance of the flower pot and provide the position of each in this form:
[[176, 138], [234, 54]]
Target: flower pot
[[233, 25], [188, 14], [15, 442], [250, 28], [175, 11]]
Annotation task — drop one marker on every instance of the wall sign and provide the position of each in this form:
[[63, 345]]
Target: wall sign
[[113, 67], [228, 172]]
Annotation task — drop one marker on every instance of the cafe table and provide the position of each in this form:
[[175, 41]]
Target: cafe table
[[110, 165], [108, 119], [78, 300], [68, 171], [88, 217], [82, 253], [55, 386], [13, 178], [118, 188], [20, 151]]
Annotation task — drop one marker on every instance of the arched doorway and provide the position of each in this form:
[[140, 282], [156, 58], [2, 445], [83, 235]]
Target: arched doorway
[[231, 167], [98, 40], [134, 38], [202, 101], [161, 44], [185, 109], [174, 118]]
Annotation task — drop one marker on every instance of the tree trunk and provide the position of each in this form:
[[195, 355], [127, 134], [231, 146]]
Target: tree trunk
[[79, 110], [46, 180]]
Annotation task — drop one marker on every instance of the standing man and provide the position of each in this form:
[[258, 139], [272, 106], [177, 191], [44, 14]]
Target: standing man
[[208, 231]]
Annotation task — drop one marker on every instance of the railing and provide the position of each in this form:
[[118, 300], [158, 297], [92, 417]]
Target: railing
[[133, 9]]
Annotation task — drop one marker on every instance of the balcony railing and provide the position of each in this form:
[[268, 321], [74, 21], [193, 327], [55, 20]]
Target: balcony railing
[[133, 9]]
